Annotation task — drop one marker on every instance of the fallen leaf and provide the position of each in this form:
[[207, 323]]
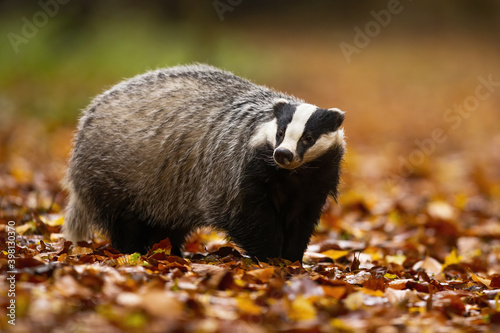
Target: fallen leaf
[[263, 275], [430, 265], [358, 278], [397, 259], [398, 296], [162, 303], [452, 258], [335, 254], [247, 305], [301, 309], [477, 278], [354, 301], [334, 292], [441, 210]]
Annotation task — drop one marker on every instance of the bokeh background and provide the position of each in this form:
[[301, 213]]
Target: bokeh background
[[408, 75]]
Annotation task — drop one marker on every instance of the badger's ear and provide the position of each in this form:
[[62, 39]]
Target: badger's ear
[[278, 106], [335, 118]]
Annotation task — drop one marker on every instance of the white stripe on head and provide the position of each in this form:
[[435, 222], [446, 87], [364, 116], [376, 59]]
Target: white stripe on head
[[323, 144], [265, 133], [295, 128]]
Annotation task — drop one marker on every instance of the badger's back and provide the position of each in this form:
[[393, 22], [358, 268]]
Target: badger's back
[[170, 144]]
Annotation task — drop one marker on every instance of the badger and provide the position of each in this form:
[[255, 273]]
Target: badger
[[173, 150]]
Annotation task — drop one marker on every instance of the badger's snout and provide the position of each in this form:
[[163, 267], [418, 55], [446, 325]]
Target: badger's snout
[[283, 156]]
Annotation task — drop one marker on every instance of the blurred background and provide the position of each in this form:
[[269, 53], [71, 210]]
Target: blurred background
[[420, 80]]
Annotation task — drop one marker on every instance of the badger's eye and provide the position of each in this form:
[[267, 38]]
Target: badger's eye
[[308, 139], [281, 133]]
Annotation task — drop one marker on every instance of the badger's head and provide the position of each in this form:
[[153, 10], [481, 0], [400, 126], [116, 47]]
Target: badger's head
[[301, 133]]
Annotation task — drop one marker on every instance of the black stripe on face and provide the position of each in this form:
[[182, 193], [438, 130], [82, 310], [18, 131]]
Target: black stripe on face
[[321, 122], [284, 114]]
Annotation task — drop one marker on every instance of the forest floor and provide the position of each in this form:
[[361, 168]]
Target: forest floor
[[399, 252]]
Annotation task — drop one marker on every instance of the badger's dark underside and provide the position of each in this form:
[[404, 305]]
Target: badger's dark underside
[[280, 209]]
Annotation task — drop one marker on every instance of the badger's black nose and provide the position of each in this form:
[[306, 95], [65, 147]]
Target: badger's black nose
[[283, 156]]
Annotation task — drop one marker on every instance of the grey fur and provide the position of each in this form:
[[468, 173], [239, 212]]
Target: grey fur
[[168, 141]]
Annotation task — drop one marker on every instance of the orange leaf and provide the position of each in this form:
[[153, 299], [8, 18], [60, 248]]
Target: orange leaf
[[334, 292], [263, 275], [335, 254]]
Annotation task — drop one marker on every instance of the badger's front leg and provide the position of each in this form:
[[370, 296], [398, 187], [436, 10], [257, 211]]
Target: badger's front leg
[[297, 233], [258, 232]]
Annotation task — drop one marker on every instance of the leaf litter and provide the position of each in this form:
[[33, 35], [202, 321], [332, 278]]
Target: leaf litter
[[415, 254]]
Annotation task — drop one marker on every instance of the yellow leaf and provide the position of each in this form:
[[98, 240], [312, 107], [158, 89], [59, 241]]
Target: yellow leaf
[[482, 280], [302, 309], [22, 175], [415, 309], [394, 217], [371, 292], [476, 253], [390, 276], [354, 301], [27, 227], [452, 258], [374, 252], [398, 259], [53, 223], [247, 305], [239, 282], [54, 237], [461, 201], [497, 304], [133, 259], [339, 325], [335, 254], [136, 320]]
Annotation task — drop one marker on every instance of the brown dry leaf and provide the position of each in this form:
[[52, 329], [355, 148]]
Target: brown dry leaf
[[67, 286], [335, 292], [430, 265], [79, 250], [303, 286], [263, 275], [495, 281], [358, 278], [399, 296], [162, 303]]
